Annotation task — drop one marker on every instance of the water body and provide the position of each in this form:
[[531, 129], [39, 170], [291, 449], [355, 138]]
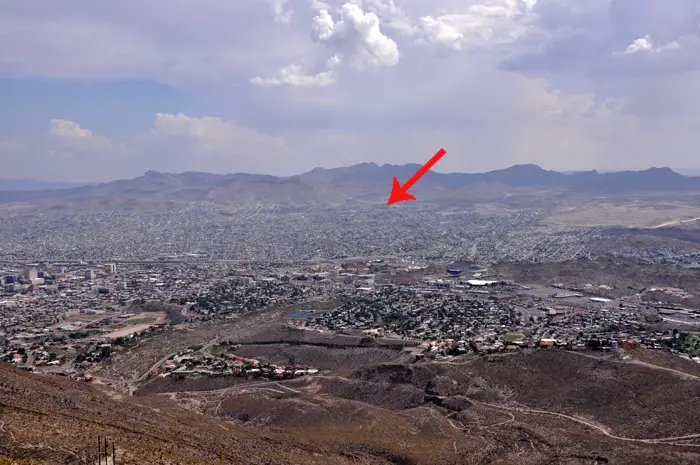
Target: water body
[[298, 315]]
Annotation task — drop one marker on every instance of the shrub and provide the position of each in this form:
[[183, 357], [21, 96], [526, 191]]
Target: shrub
[[11, 461]]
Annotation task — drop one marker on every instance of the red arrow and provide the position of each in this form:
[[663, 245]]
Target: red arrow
[[400, 193]]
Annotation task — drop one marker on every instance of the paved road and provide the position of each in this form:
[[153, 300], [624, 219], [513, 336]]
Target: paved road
[[133, 385]]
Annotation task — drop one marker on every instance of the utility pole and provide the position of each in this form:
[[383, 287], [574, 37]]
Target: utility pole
[[221, 456], [99, 450], [114, 454]]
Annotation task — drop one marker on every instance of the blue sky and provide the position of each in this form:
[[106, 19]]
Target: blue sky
[[94, 91], [114, 109]]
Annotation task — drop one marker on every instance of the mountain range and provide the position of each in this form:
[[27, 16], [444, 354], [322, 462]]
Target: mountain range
[[366, 182]]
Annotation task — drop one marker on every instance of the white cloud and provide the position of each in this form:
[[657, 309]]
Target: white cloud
[[392, 16], [357, 36], [437, 31], [639, 45], [210, 133], [488, 23], [293, 75], [69, 135], [282, 16], [645, 44], [212, 144], [66, 151], [575, 38], [334, 61]]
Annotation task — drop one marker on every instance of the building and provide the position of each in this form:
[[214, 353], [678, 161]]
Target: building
[[89, 275], [480, 282], [32, 274], [111, 268]]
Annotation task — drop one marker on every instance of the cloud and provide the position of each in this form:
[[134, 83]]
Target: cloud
[[282, 16], [437, 31], [69, 134], [490, 23], [190, 45], [174, 143], [586, 39], [645, 44], [392, 16], [549, 127], [211, 136], [639, 45], [570, 84], [66, 151], [356, 35], [292, 75]]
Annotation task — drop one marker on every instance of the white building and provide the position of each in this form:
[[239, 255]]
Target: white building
[[111, 268]]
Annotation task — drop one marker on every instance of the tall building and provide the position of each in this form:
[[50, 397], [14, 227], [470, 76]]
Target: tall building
[[32, 274], [111, 268], [90, 274]]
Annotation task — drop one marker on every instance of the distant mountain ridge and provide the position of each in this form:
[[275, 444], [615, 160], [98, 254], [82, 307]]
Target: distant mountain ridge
[[526, 175], [366, 181]]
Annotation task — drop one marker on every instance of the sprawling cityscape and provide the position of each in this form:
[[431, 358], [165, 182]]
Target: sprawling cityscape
[[64, 318], [349, 232], [253, 234], [280, 318]]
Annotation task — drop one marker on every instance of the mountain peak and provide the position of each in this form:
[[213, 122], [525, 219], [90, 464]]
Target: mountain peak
[[664, 170], [527, 167]]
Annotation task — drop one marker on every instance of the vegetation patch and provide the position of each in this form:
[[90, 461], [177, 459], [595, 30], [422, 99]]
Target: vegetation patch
[[510, 337], [141, 321]]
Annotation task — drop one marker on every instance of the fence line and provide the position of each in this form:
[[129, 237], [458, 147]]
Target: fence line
[[103, 451]]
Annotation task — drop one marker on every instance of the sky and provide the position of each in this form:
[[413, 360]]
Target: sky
[[93, 91]]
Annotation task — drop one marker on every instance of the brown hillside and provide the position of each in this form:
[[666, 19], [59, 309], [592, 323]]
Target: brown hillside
[[55, 420]]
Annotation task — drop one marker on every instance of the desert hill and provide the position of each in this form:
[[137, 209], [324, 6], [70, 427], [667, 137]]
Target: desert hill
[[529, 407], [523, 408], [56, 420]]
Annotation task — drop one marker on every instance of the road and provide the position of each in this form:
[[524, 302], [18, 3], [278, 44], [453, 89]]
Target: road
[[600, 429], [670, 223], [682, 374], [133, 385]]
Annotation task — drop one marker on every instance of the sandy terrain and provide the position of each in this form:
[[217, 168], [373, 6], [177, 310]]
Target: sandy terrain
[[632, 214], [159, 316]]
